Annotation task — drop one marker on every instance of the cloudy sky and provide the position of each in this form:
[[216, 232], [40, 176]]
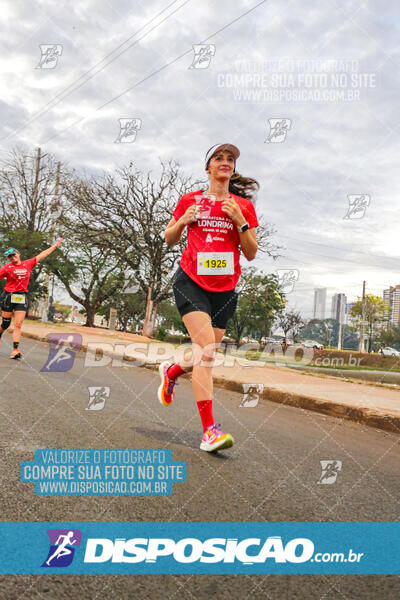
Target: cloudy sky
[[327, 72]]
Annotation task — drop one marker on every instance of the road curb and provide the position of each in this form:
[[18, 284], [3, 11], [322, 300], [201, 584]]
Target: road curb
[[363, 415]]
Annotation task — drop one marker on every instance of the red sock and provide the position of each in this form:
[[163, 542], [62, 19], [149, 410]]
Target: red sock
[[174, 371], [205, 410]]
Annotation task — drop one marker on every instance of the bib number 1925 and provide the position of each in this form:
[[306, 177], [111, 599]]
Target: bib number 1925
[[215, 263]]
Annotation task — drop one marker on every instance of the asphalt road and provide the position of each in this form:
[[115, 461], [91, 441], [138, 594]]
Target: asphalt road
[[270, 474]]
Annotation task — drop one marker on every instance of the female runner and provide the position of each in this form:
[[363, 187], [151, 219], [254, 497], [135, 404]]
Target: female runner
[[221, 224], [15, 297]]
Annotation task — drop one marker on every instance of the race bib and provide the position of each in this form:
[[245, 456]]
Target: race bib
[[215, 263], [18, 298]]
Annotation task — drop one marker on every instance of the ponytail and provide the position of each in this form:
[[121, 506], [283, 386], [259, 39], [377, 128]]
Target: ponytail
[[245, 187]]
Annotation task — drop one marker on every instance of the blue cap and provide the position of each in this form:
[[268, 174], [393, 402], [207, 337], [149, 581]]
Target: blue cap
[[11, 252]]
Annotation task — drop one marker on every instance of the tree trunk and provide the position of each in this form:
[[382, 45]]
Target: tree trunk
[[149, 306], [90, 313], [152, 320], [239, 332]]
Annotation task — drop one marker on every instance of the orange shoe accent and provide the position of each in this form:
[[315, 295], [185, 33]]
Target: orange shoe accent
[[166, 390], [16, 353]]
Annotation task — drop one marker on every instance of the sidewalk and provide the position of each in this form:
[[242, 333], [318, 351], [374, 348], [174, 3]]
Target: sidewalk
[[367, 404]]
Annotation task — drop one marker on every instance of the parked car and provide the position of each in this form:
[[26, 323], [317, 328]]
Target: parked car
[[270, 340], [388, 351], [312, 344], [249, 340]]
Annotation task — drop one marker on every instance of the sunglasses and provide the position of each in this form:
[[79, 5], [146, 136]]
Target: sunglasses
[[11, 252]]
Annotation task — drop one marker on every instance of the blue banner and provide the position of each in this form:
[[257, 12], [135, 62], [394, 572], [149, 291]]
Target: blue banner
[[214, 548]]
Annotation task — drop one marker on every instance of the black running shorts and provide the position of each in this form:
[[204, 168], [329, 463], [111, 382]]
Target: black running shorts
[[190, 297], [8, 306]]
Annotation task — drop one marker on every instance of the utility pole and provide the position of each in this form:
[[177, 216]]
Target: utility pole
[[34, 198], [362, 334], [36, 185], [52, 226], [340, 332]]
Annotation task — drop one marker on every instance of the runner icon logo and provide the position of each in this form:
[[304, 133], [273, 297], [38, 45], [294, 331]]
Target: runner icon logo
[[278, 129], [97, 397], [287, 279], [62, 351], [50, 54], [357, 206], [128, 129], [203, 54], [330, 470], [62, 547], [251, 393]]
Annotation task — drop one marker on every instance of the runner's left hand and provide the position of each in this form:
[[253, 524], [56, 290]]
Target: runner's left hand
[[232, 209], [58, 242]]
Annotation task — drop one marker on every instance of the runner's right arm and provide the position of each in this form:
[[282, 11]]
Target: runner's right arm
[[174, 230], [49, 250]]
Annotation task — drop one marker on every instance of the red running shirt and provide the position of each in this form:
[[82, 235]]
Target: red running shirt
[[215, 236], [17, 275]]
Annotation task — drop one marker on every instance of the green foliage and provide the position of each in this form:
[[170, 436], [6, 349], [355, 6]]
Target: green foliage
[[260, 301], [171, 317], [290, 321], [130, 308], [326, 332], [89, 275], [161, 333], [375, 314], [388, 336], [63, 309]]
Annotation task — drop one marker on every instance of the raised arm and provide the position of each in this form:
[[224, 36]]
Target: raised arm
[[48, 251]]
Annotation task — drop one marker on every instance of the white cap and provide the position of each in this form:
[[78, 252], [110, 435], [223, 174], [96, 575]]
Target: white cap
[[210, 153]]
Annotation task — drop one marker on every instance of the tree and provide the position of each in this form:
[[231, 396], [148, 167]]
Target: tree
[[258, 305], [28, 208], [351, 337], [290, 321], [63, 309], [314, 330], [375, 313], [388, 336], [170, 316], [130, 308], [127, 214], [27, 191], [89, 276], [326, 332]]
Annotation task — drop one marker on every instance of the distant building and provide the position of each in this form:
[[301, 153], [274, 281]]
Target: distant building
[[347, 317], [338, 310], [391, 297], [319, 303]]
